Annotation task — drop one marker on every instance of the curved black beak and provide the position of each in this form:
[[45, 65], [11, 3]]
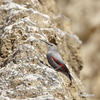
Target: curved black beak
[[45, 42]]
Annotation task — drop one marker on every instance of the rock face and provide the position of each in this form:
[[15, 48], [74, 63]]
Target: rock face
[[22, 73]]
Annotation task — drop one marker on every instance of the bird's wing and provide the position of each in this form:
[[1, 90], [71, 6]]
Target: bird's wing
[[58, 57], [56, 60], [63, 67]]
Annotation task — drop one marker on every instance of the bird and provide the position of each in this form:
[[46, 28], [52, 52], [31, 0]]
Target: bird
[[55, 60]]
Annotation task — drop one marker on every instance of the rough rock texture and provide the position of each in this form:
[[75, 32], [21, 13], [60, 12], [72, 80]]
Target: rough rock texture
[[22, 73], [85, 16]]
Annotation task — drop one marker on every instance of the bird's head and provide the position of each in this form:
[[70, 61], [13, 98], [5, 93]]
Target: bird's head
[[51, 46]]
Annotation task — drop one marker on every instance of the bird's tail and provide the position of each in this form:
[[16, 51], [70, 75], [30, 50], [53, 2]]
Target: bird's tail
[[69, 76]]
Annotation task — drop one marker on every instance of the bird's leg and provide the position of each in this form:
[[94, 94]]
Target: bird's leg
[[56, 69], [48, 65], [44, 63]]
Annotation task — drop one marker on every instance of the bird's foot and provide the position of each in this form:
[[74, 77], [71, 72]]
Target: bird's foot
[[44, 63], [56, 69]]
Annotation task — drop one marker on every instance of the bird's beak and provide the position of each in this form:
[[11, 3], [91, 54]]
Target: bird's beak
[[45, 42]]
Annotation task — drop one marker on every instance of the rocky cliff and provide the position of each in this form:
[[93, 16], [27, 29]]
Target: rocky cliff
[[24, 73]]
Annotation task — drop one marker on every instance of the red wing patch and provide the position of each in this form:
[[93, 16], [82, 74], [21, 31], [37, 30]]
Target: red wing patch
[[61, 65]]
